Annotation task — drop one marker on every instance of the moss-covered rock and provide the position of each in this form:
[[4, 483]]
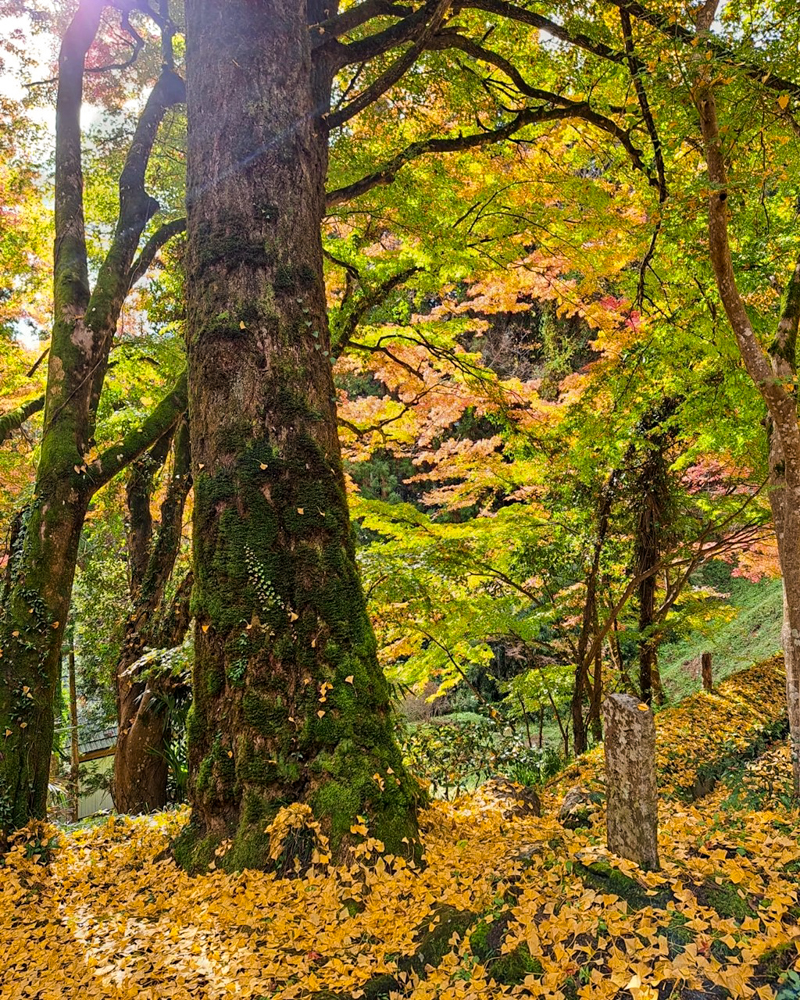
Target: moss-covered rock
[[678, 935], [578, 808], [726, 898], [433, 937], [486, 942], [377, 988], [605, 878], [512, 968], [775, 962]]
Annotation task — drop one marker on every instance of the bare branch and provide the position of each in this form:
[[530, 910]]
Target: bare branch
[[34, 367], [524, 16], [638, 71], [579, 109]]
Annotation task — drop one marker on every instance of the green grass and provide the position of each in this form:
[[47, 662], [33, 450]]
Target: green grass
[[753, 634]]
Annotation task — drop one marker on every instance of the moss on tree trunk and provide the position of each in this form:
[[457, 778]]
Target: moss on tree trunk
[[290, 704], [35, 605]]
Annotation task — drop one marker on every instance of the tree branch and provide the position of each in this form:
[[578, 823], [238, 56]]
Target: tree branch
[[395, 72], [138, 497], [524, 16], [785, 342], [70, 267], [706, 41], [780, 403], [387, 173], [148, 252], [13, 420], [637, 71], [346, 323], [164, 416], [341, 24], [164, 549], [136, 208], [403, 31], [579, 109]]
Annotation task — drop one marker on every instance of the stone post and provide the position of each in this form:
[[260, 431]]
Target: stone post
[[631, 792], [708, 678]]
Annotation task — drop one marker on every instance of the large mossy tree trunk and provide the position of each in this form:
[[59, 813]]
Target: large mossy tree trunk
[[35, 599], [290, 705], [140, 760]]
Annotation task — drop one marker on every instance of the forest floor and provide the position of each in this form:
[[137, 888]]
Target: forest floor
[[514, 906]]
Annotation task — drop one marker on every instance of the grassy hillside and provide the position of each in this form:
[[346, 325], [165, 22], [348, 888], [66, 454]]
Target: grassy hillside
[[753, 634]]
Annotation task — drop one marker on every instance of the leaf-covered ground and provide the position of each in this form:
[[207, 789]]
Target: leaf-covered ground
[[504, 907]]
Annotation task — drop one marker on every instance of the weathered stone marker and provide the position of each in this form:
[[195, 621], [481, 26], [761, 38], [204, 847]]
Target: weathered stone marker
[[708, 677], [631, 792]]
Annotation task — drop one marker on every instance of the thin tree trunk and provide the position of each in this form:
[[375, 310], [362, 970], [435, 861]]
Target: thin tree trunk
[[41, 569], [140, 763], [582, 686], [290, 704], [74, 743], [645, 557], [564, 730], [784, 445], [595, 708], [651, 486]]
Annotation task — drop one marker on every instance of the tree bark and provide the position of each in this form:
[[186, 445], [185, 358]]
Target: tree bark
[[646, 556], [74, 742], [290, 705], [773, 375], [140, 764], [706, 671]]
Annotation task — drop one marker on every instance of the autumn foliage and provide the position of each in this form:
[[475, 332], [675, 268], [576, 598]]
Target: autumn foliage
[[519, 907]]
